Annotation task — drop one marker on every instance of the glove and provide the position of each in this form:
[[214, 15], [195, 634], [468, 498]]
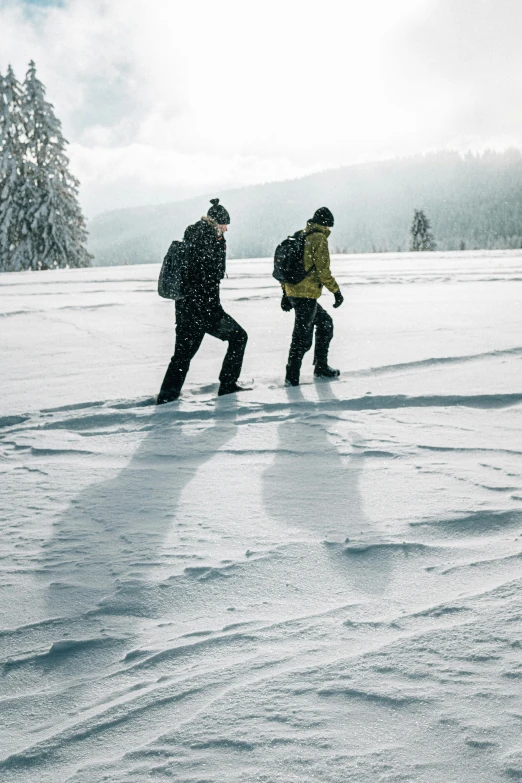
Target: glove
[[339, 299], [286, 304]]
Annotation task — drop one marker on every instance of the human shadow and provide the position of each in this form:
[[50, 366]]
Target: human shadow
[[312, 488], [106, 549]]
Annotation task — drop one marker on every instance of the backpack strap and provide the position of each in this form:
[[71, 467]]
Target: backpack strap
[[307, 232]]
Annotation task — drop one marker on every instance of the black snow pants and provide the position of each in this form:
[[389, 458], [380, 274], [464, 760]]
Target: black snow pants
[[308, 315], [195, 319]]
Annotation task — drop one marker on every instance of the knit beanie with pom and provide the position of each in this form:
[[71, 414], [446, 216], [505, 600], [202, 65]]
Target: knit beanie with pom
[[218, 212]]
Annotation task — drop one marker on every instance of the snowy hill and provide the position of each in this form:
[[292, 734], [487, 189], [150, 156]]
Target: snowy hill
[[475, 201], [314, 584]]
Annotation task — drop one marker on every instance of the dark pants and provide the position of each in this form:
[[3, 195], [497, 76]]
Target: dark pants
[[193, 322], [308, 315]]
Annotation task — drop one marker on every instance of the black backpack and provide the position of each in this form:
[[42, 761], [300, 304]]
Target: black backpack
[[171, 281], [289, 259]]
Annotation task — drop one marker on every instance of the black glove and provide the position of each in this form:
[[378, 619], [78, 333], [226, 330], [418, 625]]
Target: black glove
[[286, 304], [339, 299]]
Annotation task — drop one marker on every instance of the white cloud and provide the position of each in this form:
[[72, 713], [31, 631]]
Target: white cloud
[[183, 97], [145, 169]]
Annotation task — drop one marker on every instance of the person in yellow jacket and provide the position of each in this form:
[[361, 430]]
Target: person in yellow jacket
[[302, 298]]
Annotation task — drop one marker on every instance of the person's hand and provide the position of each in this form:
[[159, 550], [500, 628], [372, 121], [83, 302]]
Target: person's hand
[[339, 299], [286, 304]]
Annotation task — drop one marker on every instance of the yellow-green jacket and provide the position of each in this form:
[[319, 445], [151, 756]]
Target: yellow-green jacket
[[316, 254]]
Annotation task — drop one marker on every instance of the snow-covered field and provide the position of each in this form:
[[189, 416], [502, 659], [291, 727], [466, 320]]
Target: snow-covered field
[[316, 584]]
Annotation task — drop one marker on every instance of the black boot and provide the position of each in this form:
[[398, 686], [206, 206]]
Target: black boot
[[167, 396], [293, 371], [230, 387], [324, 371]]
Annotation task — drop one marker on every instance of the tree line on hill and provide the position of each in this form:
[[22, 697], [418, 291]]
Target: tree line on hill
[[472, 201], [41, 222]]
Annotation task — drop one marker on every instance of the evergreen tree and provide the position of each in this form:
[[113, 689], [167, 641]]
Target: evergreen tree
[[421, 236], [14, 176], [57, 233]]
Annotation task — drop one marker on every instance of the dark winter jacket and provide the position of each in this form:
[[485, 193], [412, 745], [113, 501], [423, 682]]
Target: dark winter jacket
[[207, 264], [207, 253]]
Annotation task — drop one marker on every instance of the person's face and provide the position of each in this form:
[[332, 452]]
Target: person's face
[[222, 227]]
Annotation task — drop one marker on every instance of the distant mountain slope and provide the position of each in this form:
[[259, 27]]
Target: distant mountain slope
[[475, 201]]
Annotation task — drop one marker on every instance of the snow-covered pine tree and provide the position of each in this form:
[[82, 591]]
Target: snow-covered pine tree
[[421, 236], [14, 180], [57, 233]]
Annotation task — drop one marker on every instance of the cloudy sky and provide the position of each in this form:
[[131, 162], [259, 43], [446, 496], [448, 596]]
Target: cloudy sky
[[161, 99]]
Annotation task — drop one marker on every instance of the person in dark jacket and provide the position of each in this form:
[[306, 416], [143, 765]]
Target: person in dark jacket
[[302, 298], [200, 312]]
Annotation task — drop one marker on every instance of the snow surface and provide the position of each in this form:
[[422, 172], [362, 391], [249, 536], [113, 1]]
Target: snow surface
[[314, 584]]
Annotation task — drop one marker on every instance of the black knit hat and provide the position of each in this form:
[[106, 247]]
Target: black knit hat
[[218, 213], [323, 217]]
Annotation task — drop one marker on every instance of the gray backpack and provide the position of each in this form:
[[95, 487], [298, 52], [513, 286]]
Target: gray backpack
[[172, 278]]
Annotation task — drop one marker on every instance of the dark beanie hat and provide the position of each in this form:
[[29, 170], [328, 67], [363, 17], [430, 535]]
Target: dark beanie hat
[[324, 217], [218, 213]]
